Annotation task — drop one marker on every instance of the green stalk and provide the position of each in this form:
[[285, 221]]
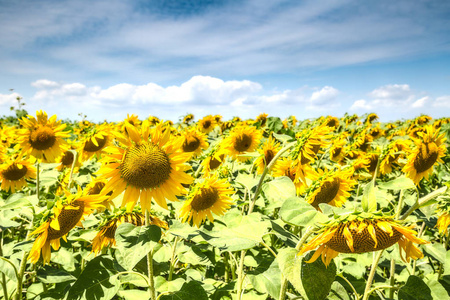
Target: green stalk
[[5, 289], [423, 200], [392, 278], [172, 259], [284, 280], [227, 267], [250, 210], [23, 262], [75, 157], [151, 280], [373, 269]]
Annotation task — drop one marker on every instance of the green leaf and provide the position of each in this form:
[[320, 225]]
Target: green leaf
[[97, 281], [267, 279], [134, 243], [239, 234], [247, 180], [274, 124], [296, 211], [400, 183], [437, 290], [279, 189], [414, 289], [369, 200], [190, 290], [312, 280], [133, 294], [436, 250], [15, 201], [48, 274]]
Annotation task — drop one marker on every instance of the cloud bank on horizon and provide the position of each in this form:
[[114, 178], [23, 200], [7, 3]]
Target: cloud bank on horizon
[[109, 58]]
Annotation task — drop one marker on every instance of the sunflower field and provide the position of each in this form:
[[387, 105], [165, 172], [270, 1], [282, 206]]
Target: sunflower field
[[325, 208]]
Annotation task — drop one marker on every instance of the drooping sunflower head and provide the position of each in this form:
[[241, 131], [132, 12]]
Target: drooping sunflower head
[[332, 187], [207, 124], [95, 141], [361, 234], [262, 119], [146, 164], [241, 140], [269, 149], [205, 198], [213, 161], [106, 235], [429, 150], [370, 118], [422, 120], [188, 118], [337, 152], [14, 173], [309, 142], [66, 215], [41, 137], [391, 154], [67, 159], [194, 141]]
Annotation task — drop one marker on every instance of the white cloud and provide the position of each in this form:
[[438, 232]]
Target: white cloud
[[361, 105], [443, 101], [326, 95], [421, 102], [9, 99]]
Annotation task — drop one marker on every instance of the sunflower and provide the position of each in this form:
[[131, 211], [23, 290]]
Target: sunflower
[[218, 118], [146, 165], [65, 217], [337, 148], [41, 137], [309, 142], [370, 118], [188, 118], [194, 141], [242, 139], [429, 150], [422, 120], [106, 235], [213, 161], [288, 167], [14, 172], [269, 149], [391, 155], [154, 120], [357, 234], [332, 122], [95, 142], [331, 187], [262, 119], [207, 197], [443, 222], [207, 124]]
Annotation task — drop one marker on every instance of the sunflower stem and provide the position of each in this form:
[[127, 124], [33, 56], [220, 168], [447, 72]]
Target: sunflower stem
[[151, 281], [376, 259], [284, 280], [172, 259], [37, 179], [266, 170], [423, 200], [357, 296], [419, 235], [400, 205], [197, 172], [240, 274], [5, 288], [227, 267], [392, 278]]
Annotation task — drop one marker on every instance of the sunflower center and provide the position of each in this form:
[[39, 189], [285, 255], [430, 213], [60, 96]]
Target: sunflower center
[[145, 166], [268, 156], [205, 199], [214, 163], [191, 144], [89, 146], [243, 142], [14, 172], [67, 158], [328, 191], [67, 219], [332, 123], [336, 152], [362, 240], [373, 163], [426, 158], [42, 138], [206, 124]]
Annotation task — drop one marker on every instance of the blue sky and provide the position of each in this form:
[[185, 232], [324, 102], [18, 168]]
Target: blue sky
[[169, 58]]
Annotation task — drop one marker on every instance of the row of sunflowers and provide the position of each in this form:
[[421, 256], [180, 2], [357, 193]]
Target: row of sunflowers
[[213, 209]]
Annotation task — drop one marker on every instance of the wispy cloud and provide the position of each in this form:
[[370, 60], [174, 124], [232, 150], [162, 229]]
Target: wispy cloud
[[115, 38]]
